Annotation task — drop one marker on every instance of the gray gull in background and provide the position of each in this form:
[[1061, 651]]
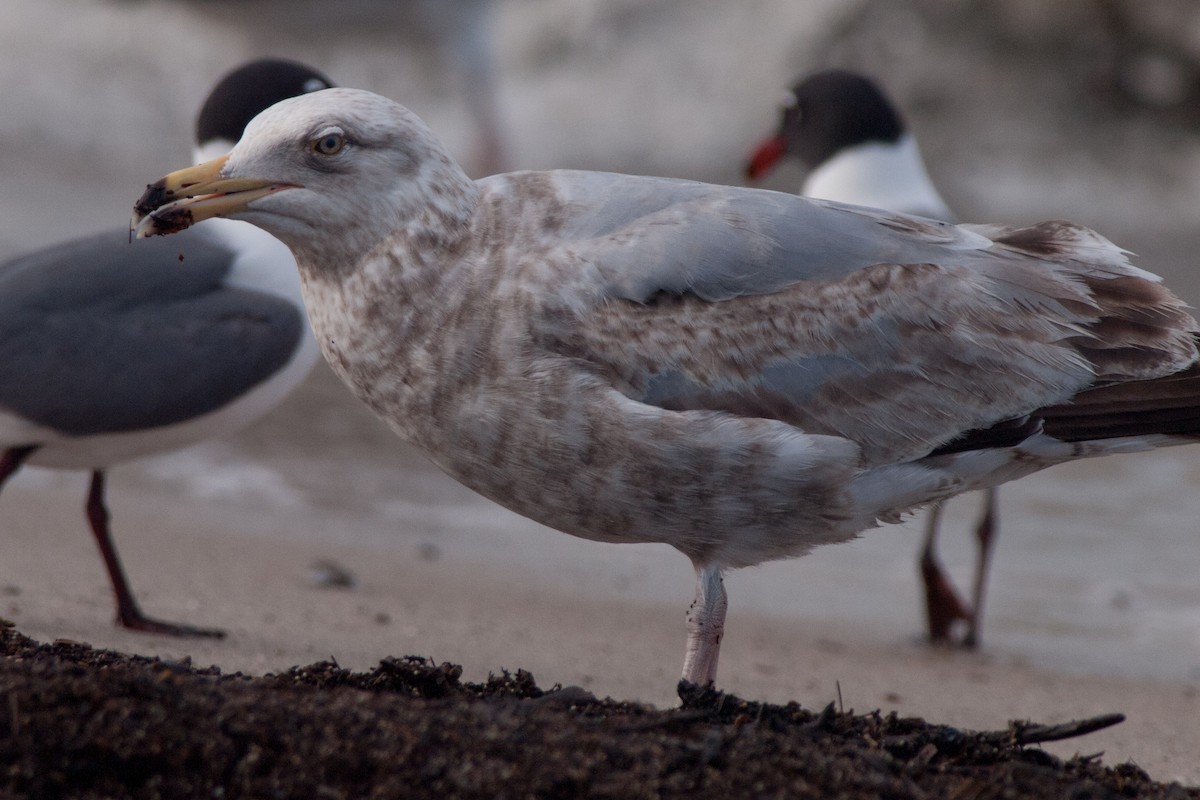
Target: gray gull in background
[[454, 38], [738, 373], [110, 351], [858, 150]]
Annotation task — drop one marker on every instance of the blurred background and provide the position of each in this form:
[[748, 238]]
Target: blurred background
[[1025, 110]]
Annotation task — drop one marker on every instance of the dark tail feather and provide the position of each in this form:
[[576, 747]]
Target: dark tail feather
[[1168, 405]]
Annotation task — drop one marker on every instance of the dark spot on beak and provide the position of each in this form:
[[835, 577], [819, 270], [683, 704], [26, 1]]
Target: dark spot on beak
[[171, 221], [181, 258], [155, 196]]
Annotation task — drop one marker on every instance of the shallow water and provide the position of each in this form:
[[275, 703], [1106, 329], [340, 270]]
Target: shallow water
[[1096, 566]]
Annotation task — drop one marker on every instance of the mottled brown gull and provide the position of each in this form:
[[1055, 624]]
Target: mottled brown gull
[[857, 149], [738, 373]]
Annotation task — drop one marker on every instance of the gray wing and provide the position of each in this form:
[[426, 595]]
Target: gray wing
[[899, 333], [653, 234], [100, 336]]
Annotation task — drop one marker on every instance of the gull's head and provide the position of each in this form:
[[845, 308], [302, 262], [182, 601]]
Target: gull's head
[[338, 165], [824, 115]]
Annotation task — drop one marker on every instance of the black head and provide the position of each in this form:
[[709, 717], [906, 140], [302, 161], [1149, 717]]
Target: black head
[[242, 94], [835, 109]]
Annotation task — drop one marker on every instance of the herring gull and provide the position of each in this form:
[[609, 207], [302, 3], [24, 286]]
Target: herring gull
[[110, 352], [740, 374], [857, 149]]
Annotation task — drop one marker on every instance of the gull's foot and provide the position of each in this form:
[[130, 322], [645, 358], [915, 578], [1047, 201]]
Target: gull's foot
[[137, 621], [944, 608]]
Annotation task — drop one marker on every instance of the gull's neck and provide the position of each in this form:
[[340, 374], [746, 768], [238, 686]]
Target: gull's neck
[[441, 210], [882, 175], [414, 276]]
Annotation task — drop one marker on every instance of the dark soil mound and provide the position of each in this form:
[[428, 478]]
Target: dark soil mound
[[79, 722]]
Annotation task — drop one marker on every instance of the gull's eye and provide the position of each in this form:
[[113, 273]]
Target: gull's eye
[[329, 144]]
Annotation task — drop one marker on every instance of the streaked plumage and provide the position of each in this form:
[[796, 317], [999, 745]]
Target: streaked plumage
[[740, 374]]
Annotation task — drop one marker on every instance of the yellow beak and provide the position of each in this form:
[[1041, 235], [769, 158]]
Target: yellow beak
[[187, 196]]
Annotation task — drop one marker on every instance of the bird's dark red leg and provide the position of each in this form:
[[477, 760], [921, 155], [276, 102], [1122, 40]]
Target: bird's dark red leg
[[942, 605], [12, 460], [985, 533], [128, 613]]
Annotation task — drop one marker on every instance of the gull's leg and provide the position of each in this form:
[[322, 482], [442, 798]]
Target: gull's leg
[[985, 533], [128, 613], [942, 604], [706, 625], [12, 460]]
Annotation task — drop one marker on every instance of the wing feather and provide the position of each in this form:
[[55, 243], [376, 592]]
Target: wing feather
[[897, 332], [97, 336]]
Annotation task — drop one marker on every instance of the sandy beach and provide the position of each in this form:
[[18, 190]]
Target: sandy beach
[[1095, 607]]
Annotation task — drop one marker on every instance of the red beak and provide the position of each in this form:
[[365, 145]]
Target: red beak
[[765, 156]]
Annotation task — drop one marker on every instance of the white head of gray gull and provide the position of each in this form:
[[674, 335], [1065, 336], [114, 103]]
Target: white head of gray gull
[[110, 352], [858, 150], [738, 373]]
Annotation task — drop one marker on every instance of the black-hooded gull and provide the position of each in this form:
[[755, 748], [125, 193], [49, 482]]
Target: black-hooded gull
[[110, 351], [857, 149], [854, 144], [738, 373]]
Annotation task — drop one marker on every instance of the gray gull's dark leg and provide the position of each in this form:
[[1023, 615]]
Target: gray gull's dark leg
[[12, 460], [128, 613], [943, 607], [985, 533]]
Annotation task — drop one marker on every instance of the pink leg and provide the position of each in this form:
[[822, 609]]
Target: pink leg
[[128, 613], [942, 605], [706, 625]]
